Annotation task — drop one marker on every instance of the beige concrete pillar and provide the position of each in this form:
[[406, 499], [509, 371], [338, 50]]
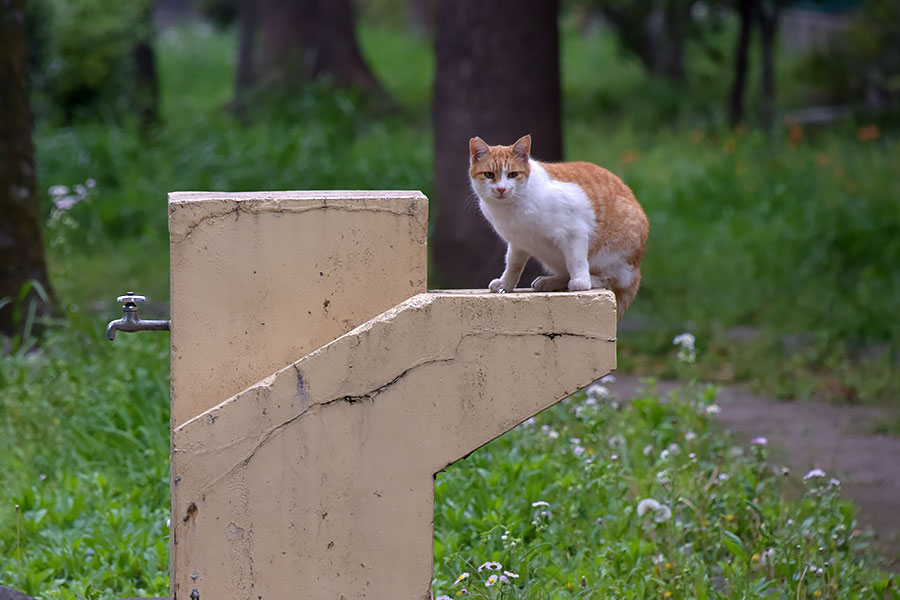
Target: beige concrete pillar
[[261, 279], [317, 481]]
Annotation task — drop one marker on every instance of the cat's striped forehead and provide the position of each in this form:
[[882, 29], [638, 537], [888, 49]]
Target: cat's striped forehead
[[498, 159]]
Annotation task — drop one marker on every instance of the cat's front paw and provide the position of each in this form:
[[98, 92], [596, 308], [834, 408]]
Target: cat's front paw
[[579, 284], [549, 283], [498, 287]]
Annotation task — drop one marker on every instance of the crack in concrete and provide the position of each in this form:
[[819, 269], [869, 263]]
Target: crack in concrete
[[266, 435], [274, 206]]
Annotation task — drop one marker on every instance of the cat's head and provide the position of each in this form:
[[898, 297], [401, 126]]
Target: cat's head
[[498, 172]]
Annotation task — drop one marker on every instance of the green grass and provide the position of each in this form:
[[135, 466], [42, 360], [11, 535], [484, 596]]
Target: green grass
[[84, 468], [726, 530]]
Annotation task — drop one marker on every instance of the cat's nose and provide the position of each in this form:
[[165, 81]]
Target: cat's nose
[[501, 190]]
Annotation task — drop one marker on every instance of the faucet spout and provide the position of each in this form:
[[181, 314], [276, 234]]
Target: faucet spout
[[130, 320]]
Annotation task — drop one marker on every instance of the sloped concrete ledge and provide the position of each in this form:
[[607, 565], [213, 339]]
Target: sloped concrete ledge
[[317, 482]]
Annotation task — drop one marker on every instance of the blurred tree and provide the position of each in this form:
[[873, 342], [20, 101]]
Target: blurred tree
[[21, 247], [94, 57], [654, 31], [763, 14], [863, 67], [421, 15], [498, 78], [146, 79], [283, 42]]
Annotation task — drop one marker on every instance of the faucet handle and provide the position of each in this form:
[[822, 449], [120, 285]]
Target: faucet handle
[[131, 298]]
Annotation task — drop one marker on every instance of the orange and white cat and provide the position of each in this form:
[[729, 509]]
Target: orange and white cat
[[581, 221]]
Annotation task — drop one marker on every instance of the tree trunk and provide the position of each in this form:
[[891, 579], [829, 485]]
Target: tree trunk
[[768, 24], [21, 246], [145, 72], [300, 40], [248, 17], [498, 78], [736, 105], [421, 16]]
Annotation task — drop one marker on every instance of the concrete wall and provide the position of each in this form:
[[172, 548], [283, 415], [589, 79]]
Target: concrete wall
[[258, 280], [316, 481]]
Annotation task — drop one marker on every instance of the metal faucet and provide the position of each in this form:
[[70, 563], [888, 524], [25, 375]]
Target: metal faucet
[[130, 320]]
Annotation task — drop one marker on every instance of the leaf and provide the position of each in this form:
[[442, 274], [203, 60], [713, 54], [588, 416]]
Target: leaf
[[734, 545]]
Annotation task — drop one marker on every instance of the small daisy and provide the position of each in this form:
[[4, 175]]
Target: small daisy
[[444, 597], [491, 580], [539, 503], [490, 566], [690, 436], [462, 577], [608, 378], [511, 574], [713, 409], [759, 441], [597, 391]]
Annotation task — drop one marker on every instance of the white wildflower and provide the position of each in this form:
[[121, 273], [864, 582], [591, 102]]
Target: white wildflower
[[814, 473], [597, 391], [608, 378], [660, 512], [444, 597], [685, 343], [674, 449], [759, 441], [491, 580], [834, 482], [690, 436], [664, 455], [539, 503], [713, 409], [647, 449], [578, 450], [616, 440], [511, 574], [647, 504], [553, 434], [461, 578]]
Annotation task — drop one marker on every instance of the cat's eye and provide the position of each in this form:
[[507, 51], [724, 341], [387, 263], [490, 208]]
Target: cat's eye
[[512, 174], [488, 174]]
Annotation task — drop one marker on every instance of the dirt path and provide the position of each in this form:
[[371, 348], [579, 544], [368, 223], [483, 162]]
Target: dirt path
[[806, 435]]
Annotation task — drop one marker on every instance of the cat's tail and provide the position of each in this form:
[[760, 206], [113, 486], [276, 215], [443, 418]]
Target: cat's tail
[[624, 295]]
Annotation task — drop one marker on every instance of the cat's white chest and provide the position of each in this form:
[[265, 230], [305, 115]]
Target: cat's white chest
[[543, 217]]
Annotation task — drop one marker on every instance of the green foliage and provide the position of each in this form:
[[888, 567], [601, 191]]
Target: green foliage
[[863, 68], [83, 53], [84, 467], [595, 499]]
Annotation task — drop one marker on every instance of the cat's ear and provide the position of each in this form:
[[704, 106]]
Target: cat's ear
[[522, 147], [478, 149]]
